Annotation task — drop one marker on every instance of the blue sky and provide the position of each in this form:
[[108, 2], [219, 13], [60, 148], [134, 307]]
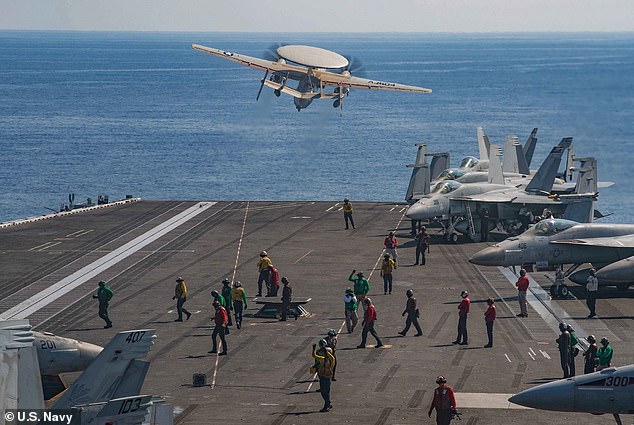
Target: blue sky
[[320, 16]]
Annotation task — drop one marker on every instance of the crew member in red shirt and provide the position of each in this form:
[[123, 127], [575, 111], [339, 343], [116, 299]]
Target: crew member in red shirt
[[444, 402], [220, 320], [522, 287], [463, 312], [369, 318], [489, 318]]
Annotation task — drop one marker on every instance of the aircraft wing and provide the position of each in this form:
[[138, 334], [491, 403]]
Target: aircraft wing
[[250, 61], [345, 80], [501, 198], [626, 241]]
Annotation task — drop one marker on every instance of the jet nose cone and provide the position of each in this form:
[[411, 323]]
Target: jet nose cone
[[414, 211], [87, 353], [621, 271], [491, 256], [558, 395]]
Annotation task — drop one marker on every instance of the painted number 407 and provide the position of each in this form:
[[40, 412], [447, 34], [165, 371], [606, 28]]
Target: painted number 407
[[135, 337]]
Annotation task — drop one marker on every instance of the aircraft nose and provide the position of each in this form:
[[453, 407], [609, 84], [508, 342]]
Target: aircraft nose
[[414, 211], [558, 395], [491, 256], [87, 353], [620, 271]]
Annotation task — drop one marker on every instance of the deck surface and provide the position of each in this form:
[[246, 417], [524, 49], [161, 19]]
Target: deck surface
[[265, 378]]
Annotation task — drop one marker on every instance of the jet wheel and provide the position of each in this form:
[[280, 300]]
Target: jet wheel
[[563, 291], [454, 237], [553, 291], [277, 92]]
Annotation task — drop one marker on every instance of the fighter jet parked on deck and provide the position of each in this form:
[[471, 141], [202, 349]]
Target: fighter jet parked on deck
[[609, 391], [608, 247], [314, 68]]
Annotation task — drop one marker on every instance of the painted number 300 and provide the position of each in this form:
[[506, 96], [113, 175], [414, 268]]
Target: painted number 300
[[135, 337], [617, 381]]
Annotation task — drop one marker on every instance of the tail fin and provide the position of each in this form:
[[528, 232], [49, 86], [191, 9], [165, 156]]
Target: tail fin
[[529, 147], [20, 385], [127, 410], [419, 180], [581, 210], [509, 161], [106, 375], [484, 145], [542, 181], [496, 176], [439, 163], [586, 176]]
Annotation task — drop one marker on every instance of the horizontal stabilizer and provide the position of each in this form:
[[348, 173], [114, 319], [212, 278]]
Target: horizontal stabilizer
[[529, 147], [120, 411]]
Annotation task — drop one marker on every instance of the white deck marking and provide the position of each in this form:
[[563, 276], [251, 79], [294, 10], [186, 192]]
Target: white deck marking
[[402, 209], [72, 235], [531, 355], [302, 257], [486, 401], [532, 351], [85, 232], [545, 354], [64, 286], [507, 358], [48, 246], [392, 209], [334, 206], [340, 208], [40, 246]]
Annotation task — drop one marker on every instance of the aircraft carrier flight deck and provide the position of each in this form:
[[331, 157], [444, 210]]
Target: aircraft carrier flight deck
[[51, 268]]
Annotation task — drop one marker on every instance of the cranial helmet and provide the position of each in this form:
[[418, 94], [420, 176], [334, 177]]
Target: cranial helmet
[[214, 293], [464, 294], [367, 301], [237, 284], [569, 328], [263, 254], [489, 301], [522, 272], [441, 380], [349, 290], [562, 326], [409, 293], [605, 341], [591, 339], [226, 281], [323, 343], [332, 332], [284, 279]]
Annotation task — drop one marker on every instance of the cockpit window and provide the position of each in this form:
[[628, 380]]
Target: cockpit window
[[552, 226], [446, 186], [469, 162], [451, 174]]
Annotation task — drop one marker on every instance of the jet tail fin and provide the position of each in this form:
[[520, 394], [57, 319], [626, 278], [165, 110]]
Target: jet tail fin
[[120, 411], [581, 211], [107, 373], [544, 178], [586, 176], [529, 147], [419, 180], [439, 163], [496, 176], [484, 144], [20, 385], [509, 161]]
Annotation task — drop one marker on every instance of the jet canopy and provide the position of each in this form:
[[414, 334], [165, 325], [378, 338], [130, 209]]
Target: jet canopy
[[451, 174], [552, 226], [469, 162], [446, 186]]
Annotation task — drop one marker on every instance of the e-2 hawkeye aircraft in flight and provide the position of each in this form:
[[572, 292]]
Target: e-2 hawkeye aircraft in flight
[[315, 69]]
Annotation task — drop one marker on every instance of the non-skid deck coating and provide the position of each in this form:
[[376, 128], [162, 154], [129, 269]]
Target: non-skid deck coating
[[265, 377]]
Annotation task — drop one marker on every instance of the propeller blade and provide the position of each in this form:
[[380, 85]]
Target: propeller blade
[[355, 66], [266, 74]]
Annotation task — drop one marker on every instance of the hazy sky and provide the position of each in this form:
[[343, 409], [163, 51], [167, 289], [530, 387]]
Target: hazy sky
[[321, 15]]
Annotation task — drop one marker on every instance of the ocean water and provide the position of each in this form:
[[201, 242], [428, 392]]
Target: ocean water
[[143, 114]]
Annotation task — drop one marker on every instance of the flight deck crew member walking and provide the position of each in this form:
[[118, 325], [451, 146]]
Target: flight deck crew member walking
[[391, 243], [592, 288], [347, 212], [463, 313], [223, 303], [361, 286], [412, 314], [180, 295], [287, 295], [324, 365], [220, 320], [239, 298], [387, 267], [573, 350], [564, 349], [444, 402], [226, 294], [263, 269], [331, 340], [369, 318], [522, 286], [590, 356], [104, 295], [422, 245], [489, 319], [604, 353], [350, 310]]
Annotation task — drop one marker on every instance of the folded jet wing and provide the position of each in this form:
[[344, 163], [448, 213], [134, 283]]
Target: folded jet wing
[[626, 241]]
